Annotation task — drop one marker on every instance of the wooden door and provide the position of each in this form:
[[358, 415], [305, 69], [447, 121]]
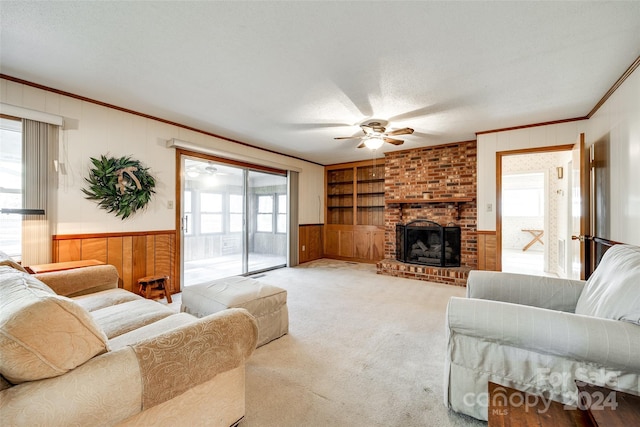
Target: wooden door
[[579, 208]]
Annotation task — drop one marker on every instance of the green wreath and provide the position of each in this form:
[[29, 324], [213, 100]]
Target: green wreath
[[120, 185]]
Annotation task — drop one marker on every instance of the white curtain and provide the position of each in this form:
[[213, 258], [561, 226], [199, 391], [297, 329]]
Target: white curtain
[[293, 260], [39, 186]]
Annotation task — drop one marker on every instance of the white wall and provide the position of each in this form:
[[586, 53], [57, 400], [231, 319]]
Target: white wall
[[618, 121], [491, 143], [92, 130]]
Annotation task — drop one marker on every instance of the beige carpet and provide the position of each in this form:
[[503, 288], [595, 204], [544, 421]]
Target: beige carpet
[[362, 350]]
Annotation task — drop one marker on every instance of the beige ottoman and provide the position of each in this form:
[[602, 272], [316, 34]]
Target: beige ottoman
[[268, 304]]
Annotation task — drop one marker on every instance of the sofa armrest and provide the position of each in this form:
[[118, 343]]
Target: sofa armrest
[[119, 384], [100, 392], [81, 281], [602, 341], [191, 354], [552, 293]]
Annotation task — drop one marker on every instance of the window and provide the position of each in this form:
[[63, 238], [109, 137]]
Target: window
[[265, 214], [526, 202], [281, 226], [11, 185], [210, 213], [235, 212], [523, 195]]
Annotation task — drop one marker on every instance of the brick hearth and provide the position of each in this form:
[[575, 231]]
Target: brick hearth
[[425, 183]]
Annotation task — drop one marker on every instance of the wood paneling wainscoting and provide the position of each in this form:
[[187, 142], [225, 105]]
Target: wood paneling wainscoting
[[134, 254], [310, 242], [487, 251]]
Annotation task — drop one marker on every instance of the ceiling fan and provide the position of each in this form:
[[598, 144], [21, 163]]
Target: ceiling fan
[[375, 134], [195, 169]]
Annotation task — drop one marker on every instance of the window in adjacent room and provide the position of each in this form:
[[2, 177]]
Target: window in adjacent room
[[236, 208], [265, 213], [11, 185], [211, 213], [281, 226]]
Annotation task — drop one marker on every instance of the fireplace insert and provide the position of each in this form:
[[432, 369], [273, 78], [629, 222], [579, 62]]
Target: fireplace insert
[[428, 243]]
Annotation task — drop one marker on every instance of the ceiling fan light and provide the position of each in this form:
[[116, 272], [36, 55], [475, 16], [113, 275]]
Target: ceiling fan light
[[373, 143], [192, 173]]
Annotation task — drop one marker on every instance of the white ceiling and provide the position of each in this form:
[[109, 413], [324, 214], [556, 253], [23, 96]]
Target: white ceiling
[[291, 76]]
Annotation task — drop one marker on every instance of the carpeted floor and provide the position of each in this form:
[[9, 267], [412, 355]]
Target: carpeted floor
[[362, 350]]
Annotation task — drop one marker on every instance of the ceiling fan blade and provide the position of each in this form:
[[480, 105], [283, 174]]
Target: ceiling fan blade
[[403, 131], [348, 137], [361, 145], [424, 135], [394, 141]]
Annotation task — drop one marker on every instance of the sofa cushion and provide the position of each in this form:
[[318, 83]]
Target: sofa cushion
[[103, 299], [8, 261], [42, 335], [121, 318], [613, 290]]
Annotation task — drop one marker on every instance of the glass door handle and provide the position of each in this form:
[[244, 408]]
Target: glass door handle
[[185, 224]]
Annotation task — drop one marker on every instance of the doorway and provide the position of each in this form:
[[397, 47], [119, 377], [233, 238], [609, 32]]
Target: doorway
[[534, 210], [233, 219]]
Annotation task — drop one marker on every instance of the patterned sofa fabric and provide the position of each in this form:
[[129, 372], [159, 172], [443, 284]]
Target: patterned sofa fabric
[[144, 354]]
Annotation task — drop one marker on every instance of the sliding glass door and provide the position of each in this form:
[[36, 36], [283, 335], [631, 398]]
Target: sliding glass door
[[233, 220], [267, 225]]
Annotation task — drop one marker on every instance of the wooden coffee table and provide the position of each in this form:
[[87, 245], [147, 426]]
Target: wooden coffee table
[[511, 407], [599, 407]]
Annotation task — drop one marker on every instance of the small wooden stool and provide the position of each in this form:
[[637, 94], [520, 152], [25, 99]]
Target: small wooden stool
[[151, 286]]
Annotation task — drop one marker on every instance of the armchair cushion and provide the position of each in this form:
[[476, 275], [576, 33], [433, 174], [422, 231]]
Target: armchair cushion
[[42, 335], [552, 293], [613, 290]]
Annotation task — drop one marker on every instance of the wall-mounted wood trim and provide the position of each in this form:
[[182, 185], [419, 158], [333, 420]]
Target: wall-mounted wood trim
[[532, 125], [112, 234], [615, 86], [146, 116], [8, 117], [485, 232], [536, 150], [596, 107], [134, 254], [487, 257], [310, 236]]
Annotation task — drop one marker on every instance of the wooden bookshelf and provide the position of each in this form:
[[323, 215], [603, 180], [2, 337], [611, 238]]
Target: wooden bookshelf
[[355, 211]]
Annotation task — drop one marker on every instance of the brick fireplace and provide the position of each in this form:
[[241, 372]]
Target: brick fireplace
[[437, 184]]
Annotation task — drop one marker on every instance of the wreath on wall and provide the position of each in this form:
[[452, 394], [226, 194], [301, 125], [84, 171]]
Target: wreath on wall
[[121, 185]]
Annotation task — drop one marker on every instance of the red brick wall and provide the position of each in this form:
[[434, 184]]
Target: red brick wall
[[431, 173]]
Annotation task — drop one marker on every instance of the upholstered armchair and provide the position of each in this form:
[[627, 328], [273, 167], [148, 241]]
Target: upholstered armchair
[[540, 334]]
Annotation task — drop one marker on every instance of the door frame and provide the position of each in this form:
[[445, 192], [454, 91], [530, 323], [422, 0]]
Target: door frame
[[179, 152], [499, 156]]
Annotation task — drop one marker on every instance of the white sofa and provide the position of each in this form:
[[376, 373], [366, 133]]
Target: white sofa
[[540, 334]]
